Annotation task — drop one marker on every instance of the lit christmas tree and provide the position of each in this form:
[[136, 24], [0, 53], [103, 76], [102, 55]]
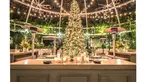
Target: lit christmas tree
[[74, 42]]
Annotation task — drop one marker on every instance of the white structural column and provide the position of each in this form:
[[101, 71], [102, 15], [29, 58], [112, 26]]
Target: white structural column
[[29, 11], [60, 15], [54, 46], [114, 44], [33, 38], [86, 15], [117, 15], [107, 3]]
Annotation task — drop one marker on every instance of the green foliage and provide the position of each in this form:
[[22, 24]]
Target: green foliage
[[24, 44], [16, 38], [46, 29], [100, 28], [99, 44], [130, 35], [39, 45]]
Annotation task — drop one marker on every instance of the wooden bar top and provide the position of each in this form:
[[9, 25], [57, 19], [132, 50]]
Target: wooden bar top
[[105, 64]]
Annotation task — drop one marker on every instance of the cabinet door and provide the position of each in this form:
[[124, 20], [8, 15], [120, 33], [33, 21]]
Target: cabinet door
[[30, 77], [116, 78], [74, 78]]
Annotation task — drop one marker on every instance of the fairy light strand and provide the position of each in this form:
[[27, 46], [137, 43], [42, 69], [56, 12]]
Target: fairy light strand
[[66, 14]]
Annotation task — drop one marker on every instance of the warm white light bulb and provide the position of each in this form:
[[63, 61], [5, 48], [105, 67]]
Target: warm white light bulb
[[11, 11], [18, 12], [130, 13], [111, 12], [14, 7]]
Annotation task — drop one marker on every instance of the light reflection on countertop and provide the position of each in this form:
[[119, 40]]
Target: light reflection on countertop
[[103, 62]]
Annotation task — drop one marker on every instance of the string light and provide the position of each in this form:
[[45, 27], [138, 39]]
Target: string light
[[92, 13], [18, 12], [11, 11], [88, 5], [91, 3], [89, 16], [55, 1], [30, 14], [130, 13], [40, 9], [34, 14], [112, 12], [24, 13], [14, 7], [118, 6]]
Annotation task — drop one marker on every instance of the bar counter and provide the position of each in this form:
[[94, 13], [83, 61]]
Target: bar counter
[[105, 64], [110, 70]]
